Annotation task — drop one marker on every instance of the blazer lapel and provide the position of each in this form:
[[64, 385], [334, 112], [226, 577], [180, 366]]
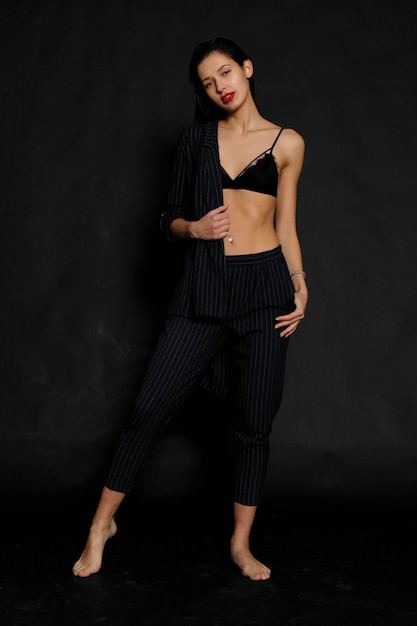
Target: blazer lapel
[[211, 164]]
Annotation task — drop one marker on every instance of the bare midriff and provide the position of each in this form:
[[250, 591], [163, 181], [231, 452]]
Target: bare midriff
[[251, 222]]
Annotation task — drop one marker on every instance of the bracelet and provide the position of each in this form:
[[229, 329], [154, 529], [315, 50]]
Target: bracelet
[[298, 272]]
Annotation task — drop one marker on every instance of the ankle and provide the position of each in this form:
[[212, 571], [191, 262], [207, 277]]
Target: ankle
[[101, 525], [239, 542]]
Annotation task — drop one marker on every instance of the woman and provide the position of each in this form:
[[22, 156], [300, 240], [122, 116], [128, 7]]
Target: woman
[[233, 196]]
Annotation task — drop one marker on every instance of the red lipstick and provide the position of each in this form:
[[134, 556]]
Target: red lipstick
[[228, 97]]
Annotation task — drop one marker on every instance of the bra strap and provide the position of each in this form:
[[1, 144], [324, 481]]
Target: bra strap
[[276, 139]]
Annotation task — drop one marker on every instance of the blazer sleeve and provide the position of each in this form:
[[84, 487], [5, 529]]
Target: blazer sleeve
[[179, 200]]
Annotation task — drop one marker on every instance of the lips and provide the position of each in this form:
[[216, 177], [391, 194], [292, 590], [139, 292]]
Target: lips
[[228, 97]]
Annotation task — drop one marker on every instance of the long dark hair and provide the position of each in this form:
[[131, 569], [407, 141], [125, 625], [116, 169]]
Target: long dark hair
[[204, 108]]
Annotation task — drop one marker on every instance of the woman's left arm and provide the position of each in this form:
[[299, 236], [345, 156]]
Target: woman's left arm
[[292, 158]]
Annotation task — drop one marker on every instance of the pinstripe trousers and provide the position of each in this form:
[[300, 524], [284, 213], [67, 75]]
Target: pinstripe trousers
[[186, 348]]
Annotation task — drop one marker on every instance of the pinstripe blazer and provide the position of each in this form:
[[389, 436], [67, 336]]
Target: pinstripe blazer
[[196, 188]]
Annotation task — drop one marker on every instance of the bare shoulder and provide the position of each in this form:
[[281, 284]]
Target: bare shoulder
[[291, 148], [292, 139]]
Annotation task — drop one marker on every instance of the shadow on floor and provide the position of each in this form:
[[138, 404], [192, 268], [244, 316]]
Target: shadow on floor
[[169, 565]]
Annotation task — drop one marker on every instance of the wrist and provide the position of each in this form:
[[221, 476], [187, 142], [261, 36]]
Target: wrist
[[301, 289], [190, 230], [298, 273]]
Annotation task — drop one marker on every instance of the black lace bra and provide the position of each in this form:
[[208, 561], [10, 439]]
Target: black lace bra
[[261, 174]]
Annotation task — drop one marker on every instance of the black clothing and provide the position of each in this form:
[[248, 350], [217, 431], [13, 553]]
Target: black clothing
[[220, 301], [260, 175], [184, 351]]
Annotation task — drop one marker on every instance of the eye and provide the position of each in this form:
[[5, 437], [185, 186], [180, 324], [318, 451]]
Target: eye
[[207, 85], [226, 72]]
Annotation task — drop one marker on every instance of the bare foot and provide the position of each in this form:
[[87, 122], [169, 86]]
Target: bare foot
[[248, 565], [91, 558]]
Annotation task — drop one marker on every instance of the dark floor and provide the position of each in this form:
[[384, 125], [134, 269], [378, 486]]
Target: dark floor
[[169, 565]]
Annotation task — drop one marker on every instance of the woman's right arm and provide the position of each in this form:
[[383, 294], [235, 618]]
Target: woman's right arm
[[175, 219], [177, 204], [213, 225]]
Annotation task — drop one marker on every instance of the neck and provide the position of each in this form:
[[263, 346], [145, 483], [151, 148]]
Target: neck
[[243, 121]]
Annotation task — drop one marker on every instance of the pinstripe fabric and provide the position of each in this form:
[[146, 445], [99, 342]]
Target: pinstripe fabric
[[196, 189], [259, 355], [185, 349]]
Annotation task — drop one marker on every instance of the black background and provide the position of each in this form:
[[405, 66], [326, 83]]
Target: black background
[[93, 97]]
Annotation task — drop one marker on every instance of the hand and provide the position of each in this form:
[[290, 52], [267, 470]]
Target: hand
[[289, 322], [213, 225]]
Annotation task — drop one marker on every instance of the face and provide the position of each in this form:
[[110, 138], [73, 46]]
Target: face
[[225, 81]]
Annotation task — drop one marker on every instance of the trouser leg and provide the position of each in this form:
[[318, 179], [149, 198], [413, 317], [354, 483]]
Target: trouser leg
[[259, 288], [182, 353], [260, 356]]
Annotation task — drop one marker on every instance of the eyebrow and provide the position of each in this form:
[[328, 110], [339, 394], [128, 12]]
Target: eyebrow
[[218, 70]]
